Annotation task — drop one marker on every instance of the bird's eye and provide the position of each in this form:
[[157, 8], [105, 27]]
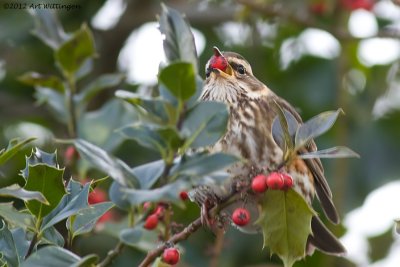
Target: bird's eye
[[241, 69]]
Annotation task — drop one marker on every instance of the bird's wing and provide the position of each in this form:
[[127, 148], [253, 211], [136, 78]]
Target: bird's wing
[[324, 193]]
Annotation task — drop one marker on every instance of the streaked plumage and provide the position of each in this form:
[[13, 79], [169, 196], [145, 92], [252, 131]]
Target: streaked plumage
[[249, 136]]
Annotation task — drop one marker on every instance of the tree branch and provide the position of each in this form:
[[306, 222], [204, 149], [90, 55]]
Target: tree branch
[[308, 21], [183, 235]]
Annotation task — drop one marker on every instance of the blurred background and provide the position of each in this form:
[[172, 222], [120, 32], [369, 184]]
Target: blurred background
[[317, 54]]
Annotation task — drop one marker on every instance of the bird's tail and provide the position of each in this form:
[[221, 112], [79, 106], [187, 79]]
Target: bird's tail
[[322, 239]]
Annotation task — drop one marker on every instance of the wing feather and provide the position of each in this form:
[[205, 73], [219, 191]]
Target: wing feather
[[324, 193]]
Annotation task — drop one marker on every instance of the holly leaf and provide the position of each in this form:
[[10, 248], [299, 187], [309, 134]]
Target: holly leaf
[[13, 147], [7, 245], [315, 127], [154, 108], [56, 256], [40, 80], [76, 50], [179, 41], [48, 28], [100, 83], [284, 126], [180, 79], [20, 193], [277, 130], [103, 121], [149, 173], [333, 152], [43, 175], [15, 217], [71, 204], [198, 165], [139, 238], [84, 221], [168, 193], [55, 102], [286, 224], [204, 124], [159, 138], [114, 167]]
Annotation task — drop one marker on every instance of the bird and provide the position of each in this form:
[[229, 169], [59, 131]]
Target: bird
[[251, 105]]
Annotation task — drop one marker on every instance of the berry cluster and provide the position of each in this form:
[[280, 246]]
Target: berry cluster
[[155, 215], [275, 181], [259, 184]]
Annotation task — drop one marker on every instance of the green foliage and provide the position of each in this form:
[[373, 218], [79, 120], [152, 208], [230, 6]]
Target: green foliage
[[293, 136], [75, 51], [43, 175], [57, 256], [107, 163], [14, 146], [184, 87], [179, 42], [315, 127], [169, 121], [7, 246], [204, 130], [286, 224], [139, 238], [18, 192], [15, 217], [84, 221]]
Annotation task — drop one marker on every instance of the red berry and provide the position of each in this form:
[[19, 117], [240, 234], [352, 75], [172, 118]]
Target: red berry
[[241, 216], [151, 222], [71, 154], [146, 206], [98, 195], [171, 256], [159, 212], [108, 216], [288, 180], [357, 4], [259, 183], [275, 180], [318, 8], [218, 62], [184, 195]]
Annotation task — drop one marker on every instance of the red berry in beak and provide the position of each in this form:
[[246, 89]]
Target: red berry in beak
[[218, 62]]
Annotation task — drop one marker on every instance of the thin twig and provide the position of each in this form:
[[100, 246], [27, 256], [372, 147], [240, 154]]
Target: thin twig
[[217, 249], [111, 255], [183, 235]]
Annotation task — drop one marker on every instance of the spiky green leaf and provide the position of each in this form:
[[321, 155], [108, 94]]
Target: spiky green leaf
[[286, 224]]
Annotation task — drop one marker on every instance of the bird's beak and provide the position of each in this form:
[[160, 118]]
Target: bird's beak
[[220, 65]]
